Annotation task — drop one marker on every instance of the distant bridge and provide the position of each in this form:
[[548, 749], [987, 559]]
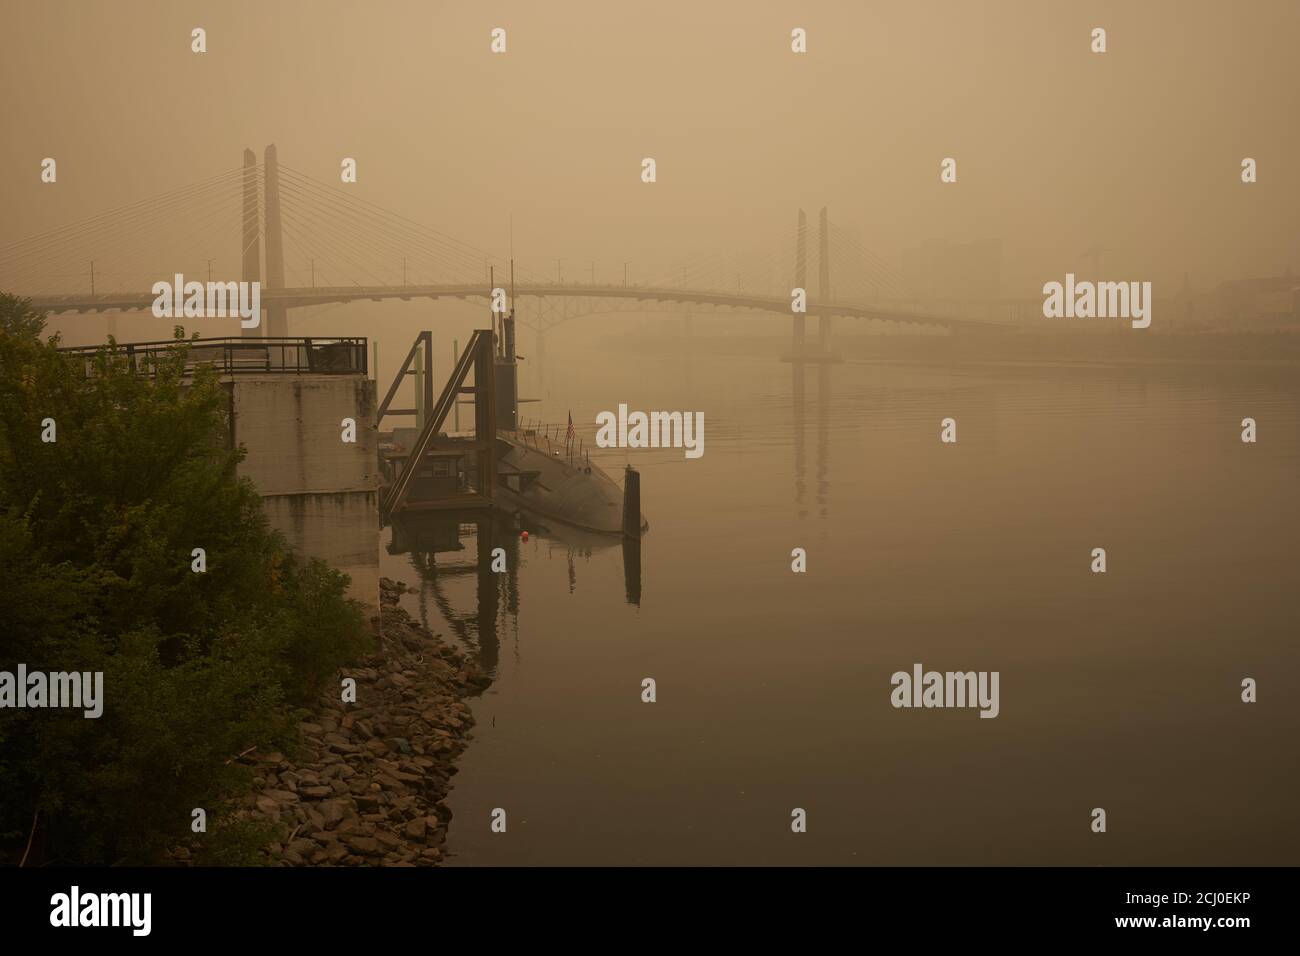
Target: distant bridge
[[290, 298], [289, 223]]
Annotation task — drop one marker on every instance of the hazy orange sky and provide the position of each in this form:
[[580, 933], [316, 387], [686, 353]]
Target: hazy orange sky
[[1058, 148]]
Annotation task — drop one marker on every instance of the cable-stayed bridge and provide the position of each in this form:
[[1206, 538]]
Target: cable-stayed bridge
[[308, 243]]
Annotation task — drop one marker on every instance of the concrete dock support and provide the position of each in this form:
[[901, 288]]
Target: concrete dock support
[[320, 492]]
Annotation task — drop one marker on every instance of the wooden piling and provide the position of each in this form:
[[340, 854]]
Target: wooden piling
[[631, 503]]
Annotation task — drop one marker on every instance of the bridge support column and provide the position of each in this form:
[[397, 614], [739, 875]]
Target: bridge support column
[[800, 282], [824, 285], [277, 315], [250, 239]]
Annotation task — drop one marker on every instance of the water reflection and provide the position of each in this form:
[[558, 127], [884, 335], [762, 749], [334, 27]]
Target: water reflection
[[438, 545], [632, 570], [797, 401], [1052, 461], [823, 439], [822, 473]]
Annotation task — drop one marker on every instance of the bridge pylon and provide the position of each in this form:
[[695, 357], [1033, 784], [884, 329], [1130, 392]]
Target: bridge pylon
[[824, 285], [800, 282], [277, 313], [250, 239], [799, 351]]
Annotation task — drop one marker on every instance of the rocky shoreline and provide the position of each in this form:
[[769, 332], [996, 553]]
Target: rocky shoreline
[[369, 783]]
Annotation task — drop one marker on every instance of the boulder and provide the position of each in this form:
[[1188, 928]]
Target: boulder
[[368, 846]]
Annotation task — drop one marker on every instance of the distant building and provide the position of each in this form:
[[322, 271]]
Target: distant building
[[941, 269], [1267, 301]]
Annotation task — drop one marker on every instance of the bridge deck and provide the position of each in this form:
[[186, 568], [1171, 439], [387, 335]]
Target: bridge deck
[[298, 297]]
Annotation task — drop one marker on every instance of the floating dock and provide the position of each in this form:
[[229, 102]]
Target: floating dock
[[500, 466]]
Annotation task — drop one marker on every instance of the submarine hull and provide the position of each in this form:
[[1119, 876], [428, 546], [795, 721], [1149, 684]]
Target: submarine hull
[[532, 478]]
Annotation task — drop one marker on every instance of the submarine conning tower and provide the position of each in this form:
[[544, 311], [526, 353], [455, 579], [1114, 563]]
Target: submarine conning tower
[[506, 374]]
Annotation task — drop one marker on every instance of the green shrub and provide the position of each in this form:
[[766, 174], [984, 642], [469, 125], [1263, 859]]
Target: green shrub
[[96, 533]]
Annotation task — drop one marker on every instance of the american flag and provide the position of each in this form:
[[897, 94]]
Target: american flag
[[570, 434]]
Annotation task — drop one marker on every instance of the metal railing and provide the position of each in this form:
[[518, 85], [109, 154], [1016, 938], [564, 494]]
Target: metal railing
[[533, 433], [244, 356]]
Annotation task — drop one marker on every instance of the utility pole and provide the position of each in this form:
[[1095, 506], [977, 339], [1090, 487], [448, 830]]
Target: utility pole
[[313, 273], [625, 275], [92, 277], [403, 270]]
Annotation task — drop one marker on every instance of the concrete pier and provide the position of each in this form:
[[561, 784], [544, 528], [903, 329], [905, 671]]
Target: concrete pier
[[320, 492]]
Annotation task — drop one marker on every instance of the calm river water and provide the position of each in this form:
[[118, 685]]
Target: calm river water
[[1119, 690]]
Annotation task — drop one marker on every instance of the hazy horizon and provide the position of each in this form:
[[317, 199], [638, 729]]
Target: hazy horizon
[[1058, 149]]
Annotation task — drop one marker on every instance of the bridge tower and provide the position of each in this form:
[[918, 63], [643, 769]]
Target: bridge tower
[[277, 314], [824, 285], [800, 282], [250, 239]]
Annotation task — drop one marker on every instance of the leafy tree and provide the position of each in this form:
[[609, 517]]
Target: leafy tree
[[97, 530]]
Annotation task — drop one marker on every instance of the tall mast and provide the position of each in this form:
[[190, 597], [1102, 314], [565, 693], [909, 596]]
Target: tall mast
[[510, 328]]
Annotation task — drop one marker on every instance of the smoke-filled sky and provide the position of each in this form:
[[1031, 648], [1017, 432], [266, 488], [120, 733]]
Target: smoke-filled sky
[[1058, 149]]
